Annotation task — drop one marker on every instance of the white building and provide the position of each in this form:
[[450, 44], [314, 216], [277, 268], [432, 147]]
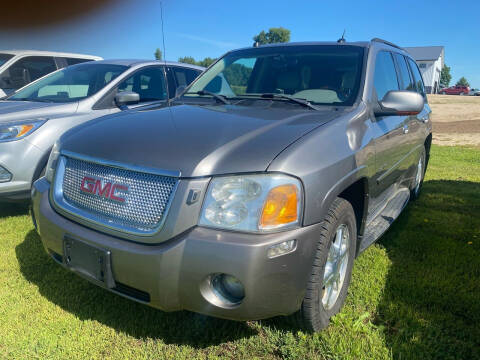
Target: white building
[[430, 60]]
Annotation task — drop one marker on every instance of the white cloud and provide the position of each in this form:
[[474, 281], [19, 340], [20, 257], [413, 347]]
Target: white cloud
[[219, 44]]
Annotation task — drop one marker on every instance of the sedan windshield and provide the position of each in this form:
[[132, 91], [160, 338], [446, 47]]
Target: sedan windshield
[[4, 58], [70, 84], [319, 74]]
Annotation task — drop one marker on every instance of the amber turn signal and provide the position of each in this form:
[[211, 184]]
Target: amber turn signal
[[25, 129], [280, 208]]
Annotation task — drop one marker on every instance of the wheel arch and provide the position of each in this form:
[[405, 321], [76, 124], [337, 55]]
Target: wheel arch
[[354, 188]]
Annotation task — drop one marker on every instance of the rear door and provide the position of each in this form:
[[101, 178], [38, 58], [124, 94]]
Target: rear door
[[410, 124]]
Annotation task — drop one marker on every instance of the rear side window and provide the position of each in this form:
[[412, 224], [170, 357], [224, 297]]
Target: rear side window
[[183, 76], [385, 78], [406, 82], [29, 69], [417, 77], [149, 83], [74, 61]]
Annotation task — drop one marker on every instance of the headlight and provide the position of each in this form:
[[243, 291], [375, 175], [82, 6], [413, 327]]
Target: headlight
[[52, 162], [18, 130], [253, 203]]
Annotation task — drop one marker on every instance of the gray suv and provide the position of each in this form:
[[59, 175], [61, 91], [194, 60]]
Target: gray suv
[[252, 194]]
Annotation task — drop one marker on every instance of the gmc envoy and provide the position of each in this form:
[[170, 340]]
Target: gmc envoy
[[251, 195]]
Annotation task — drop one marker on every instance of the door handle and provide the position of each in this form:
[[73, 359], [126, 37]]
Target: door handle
[[424, 119], [405, 129]]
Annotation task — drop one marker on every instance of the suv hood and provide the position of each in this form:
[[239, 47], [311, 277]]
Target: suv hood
[[196, 140], [28, 110]]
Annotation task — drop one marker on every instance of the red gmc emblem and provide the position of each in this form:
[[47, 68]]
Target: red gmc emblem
[[108, 190]]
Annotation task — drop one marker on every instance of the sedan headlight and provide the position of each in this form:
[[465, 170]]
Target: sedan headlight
[[52, 162], [18, 130], [253, 203]]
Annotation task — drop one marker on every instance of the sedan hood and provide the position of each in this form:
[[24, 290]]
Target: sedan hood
[[28, 110], [197, 140]]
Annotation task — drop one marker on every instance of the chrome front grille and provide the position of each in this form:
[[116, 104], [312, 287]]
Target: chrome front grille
[[84, 189]]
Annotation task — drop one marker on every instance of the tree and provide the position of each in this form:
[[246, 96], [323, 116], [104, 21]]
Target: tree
[[462, 82], [445, 76], [273, 36], [158, 54], [206, 62], [190, 60], [187, 60]]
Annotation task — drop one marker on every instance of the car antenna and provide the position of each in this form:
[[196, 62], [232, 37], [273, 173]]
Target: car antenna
[[342, 39], [164, 53]]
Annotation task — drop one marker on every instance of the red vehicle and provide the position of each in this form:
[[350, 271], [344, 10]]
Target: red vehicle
[[455, 90]]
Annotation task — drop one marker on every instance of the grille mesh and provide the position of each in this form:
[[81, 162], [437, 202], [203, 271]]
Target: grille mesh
[[145, 203]]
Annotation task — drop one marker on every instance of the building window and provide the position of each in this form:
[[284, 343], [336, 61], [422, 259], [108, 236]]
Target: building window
[[422, 66]]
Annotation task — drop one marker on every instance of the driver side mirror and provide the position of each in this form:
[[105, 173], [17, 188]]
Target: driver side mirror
[[400, 102], [124, 98]]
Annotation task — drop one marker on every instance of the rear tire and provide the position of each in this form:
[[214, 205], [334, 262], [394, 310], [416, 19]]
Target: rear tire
[[328, 283], [419, 176], [443, 93]]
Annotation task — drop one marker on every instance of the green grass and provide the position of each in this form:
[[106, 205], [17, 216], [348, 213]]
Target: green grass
[[414, 295]]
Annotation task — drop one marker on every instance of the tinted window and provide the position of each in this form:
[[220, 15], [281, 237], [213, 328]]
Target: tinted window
[[179, 76], [183, 76], [29, 69], [74, 61], [71, 84], [385, 78], [406, 82], [417, 77], [149, 83], [322, 74], [4, 58]]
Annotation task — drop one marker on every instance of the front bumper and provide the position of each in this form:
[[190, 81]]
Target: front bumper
[[21, 159], [173, 275]]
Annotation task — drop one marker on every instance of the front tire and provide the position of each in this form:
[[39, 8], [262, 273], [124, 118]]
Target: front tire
[[332, 267]]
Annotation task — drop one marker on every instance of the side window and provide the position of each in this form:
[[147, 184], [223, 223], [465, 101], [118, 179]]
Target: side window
[[406, 82], [29, 69], [183, 76], [149, 83], [385, 78], [74, 61], [417, 77]]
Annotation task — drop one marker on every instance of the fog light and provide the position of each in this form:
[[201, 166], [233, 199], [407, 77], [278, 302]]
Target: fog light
[[281, 248], [228, 288], [5, 176]]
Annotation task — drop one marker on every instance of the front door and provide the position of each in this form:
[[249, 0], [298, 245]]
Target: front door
[[390, 139]]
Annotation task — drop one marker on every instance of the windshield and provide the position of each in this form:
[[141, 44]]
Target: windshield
[[70, 84], [320, 74], [4, 58]]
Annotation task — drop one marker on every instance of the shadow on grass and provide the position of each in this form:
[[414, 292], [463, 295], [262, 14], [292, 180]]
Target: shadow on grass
[[8, 209], [89, 302], [431, 303]]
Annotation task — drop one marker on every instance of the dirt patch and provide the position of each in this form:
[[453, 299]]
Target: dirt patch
[[457, 127], [455, 119]]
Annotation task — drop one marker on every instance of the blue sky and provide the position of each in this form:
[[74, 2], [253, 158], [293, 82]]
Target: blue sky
[[132, 29]]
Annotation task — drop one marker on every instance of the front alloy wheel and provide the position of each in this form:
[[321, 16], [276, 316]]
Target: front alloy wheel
[[336, 267]]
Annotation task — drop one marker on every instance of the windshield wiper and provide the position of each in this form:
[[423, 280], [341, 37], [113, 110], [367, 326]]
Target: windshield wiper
[[221, 98], [290, 98]]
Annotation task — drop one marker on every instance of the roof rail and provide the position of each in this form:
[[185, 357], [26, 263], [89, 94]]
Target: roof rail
[[386, 42]]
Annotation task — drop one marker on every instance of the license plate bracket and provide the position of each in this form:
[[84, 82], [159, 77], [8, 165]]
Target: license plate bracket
[[90, 262]]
